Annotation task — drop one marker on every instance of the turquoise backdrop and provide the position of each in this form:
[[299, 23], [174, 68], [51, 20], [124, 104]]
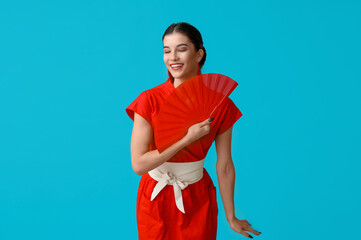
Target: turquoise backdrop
[[68, 70]]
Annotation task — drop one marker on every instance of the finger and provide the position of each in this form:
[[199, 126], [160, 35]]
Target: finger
[[204, 123], [242, 231], [206, 129], [246, 234], [249, 229]]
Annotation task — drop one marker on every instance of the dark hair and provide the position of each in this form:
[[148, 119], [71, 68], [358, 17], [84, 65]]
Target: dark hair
[[192, 33]]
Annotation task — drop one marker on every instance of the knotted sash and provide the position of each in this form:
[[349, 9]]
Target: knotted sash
[[178, 174]]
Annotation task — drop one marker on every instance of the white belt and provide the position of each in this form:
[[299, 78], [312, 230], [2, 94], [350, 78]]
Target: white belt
[[178, 174]]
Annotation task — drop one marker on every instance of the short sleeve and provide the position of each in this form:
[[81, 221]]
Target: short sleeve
[[231, 115], [141, 105]]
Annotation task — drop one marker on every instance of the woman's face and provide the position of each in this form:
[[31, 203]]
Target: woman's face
[[180, 56]]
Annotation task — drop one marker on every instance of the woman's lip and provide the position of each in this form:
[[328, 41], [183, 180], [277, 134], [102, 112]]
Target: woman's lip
[[176, 64]]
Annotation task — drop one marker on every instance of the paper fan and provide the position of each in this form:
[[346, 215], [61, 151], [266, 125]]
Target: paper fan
[[193, 101]]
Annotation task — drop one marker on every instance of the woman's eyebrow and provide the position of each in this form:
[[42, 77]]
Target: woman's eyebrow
[[177, 45]]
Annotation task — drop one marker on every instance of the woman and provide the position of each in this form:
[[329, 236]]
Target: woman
[[190, 213]]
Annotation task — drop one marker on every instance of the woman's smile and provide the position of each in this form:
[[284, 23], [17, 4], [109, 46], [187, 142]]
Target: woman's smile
[[180, 57], [176, 66]]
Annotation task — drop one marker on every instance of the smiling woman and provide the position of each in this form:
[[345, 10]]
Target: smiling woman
[[176, 196], [183, 54]]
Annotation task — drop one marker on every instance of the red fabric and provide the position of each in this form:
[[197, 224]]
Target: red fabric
[[231, 115], [142, 106], [160, 218]]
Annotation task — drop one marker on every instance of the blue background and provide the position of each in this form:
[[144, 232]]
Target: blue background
[[68, 70]]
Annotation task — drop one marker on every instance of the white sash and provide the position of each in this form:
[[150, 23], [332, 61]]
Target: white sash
[[178, 174]]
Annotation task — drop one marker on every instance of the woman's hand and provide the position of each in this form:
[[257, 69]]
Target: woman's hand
[[198, 130], [241, 226]]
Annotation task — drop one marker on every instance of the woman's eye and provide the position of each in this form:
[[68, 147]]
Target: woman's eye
[[181, 50]]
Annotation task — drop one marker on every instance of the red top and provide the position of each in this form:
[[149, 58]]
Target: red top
[[147, 105]]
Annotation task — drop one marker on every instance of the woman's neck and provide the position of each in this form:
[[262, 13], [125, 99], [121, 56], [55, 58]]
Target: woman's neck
[[178, 81]]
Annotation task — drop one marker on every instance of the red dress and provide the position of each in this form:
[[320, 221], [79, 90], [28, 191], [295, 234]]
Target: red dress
[[160, 219]]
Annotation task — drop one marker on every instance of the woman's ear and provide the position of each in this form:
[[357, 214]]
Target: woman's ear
[[200, 54]]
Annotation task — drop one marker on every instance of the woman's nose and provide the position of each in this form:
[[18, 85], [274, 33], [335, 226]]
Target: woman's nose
[[174, 56]]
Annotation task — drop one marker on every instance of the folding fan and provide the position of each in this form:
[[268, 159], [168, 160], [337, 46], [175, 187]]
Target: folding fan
[[192, 101]]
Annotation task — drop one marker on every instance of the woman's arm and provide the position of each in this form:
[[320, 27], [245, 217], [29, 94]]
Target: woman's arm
[[226, 179], [226, 172], [144, 160]]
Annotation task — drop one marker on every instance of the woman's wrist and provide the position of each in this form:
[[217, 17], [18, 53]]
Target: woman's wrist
[[230, 217], [185, 141]]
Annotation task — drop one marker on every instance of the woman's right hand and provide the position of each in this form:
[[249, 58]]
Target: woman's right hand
[[198, 130]]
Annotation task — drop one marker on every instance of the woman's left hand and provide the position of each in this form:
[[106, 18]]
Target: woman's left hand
[[241, 226]]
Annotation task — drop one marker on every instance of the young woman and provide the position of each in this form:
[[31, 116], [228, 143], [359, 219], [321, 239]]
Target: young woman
[[168, 208]]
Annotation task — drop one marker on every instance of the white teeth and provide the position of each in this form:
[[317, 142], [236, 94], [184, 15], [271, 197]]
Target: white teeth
[[176, 66]]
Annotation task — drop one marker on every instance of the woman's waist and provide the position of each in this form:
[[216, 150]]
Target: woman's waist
[[187, 171], [147, 183]]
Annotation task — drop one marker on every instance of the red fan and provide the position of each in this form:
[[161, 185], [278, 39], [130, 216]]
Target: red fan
[[192, 101]]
